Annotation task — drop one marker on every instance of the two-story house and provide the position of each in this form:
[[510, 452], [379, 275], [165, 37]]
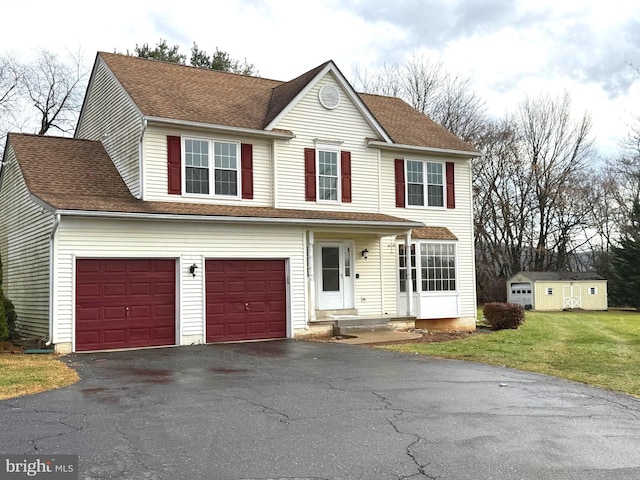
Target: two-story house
[[199, 206]]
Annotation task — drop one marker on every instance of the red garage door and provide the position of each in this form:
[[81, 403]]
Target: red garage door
[[246, 300], [125, 303]]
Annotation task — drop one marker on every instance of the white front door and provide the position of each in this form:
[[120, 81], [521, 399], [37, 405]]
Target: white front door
[[334, 262]]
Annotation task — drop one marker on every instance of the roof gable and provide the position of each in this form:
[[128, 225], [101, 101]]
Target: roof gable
[[170, 91]]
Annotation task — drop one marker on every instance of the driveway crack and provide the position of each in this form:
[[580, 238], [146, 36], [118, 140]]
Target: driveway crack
[[396, 414], [282, 417]]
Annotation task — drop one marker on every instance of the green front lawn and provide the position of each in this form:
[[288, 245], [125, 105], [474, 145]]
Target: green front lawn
[[598, 348]]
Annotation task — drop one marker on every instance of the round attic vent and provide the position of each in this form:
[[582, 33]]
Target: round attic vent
[[329, 97]]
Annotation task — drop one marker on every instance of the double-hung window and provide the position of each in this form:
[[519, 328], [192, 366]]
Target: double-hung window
[[201, 173], [197, 166], [425, 183], [328, 175]]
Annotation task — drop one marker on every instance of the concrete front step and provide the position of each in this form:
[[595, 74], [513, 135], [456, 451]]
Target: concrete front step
[[356, 329]]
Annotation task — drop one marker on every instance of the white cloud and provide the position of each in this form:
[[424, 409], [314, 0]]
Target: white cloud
[[508, 48]]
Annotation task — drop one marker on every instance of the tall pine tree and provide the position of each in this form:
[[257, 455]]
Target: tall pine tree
[[626, 262]]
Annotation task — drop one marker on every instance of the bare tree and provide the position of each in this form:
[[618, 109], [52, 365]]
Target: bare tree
[[447, 98], [54, 88], [557, 150]]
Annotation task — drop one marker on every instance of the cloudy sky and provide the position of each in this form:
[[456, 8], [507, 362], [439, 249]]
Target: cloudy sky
[[509, 48]]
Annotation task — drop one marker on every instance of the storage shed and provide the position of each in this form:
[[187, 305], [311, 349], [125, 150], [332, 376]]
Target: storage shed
[[558, 290]]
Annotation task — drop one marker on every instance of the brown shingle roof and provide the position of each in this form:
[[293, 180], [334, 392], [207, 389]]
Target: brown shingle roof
[[173, 91], [407, 126], [562, 276], [431, 233], [73, 174]]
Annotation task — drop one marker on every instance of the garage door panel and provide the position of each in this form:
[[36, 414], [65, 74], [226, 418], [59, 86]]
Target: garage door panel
[[123, 303], [232, 285]]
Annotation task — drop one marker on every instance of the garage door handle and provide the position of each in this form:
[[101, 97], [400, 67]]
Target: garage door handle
[[246, 307], [126, 311]]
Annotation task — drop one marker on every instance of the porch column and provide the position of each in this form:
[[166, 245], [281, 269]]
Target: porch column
[[407, 252], [311, 275]]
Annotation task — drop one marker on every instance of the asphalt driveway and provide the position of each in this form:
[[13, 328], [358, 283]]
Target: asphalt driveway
[[305, 410]]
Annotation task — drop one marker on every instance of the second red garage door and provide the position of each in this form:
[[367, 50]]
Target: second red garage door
[[123, 303], [246, 300]]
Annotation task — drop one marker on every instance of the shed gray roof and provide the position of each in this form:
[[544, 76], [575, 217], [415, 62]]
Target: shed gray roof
[[562, 276]]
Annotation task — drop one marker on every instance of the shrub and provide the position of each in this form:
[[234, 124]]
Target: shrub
[[501, 316], [4, 328], [11, 316]]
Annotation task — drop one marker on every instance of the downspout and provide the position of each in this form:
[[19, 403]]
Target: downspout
[[140, 162], [54, 229]]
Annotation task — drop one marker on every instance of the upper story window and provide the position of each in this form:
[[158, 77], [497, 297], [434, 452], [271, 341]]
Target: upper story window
[[425, 183], [328, 174], [196, 166], [199, 174], [420, 183]]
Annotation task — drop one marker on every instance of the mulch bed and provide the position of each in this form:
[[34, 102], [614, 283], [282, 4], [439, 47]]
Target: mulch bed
[[434, 337], [427, 337], [17, 347]]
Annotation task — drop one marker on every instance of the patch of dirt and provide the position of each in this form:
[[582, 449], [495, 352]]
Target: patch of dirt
[[434, 337], [427, 337], [19, 346]]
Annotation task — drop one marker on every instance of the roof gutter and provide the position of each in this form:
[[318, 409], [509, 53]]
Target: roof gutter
[[416, 148], [232, 219], [280, 135]]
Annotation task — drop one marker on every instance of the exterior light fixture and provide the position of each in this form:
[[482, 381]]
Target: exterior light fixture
[[365, 253], [192, 269]]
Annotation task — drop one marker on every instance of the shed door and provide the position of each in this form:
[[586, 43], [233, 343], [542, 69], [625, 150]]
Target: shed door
[[123, 303], [571, 296], [246, 300], [520, 293]]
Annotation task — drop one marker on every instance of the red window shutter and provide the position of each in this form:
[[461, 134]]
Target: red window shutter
[[345, 164], [174, 162], [451, 190], [310, 174], [246, 160], [400, 183]]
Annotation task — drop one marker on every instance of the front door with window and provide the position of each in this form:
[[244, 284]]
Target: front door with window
[[334, 262]]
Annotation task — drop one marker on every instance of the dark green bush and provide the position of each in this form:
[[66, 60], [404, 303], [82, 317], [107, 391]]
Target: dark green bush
[[501, 316], [4, 328], [11, 316]]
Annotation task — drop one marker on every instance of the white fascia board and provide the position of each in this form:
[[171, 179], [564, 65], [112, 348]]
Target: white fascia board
[[221, 128], [397, 147], [229, 219], [331, 67]]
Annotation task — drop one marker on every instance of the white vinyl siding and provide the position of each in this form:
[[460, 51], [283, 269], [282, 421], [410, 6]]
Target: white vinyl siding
[[458, 220], [188, 243], [368, 287], [24, 249], [110, 117], [156, 174], [346, 129]]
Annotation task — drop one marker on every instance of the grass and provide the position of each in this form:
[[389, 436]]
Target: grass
[[28, 374], [598, 348]]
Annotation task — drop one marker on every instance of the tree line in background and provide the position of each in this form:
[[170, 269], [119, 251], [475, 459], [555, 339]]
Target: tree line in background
[[543, 199]]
